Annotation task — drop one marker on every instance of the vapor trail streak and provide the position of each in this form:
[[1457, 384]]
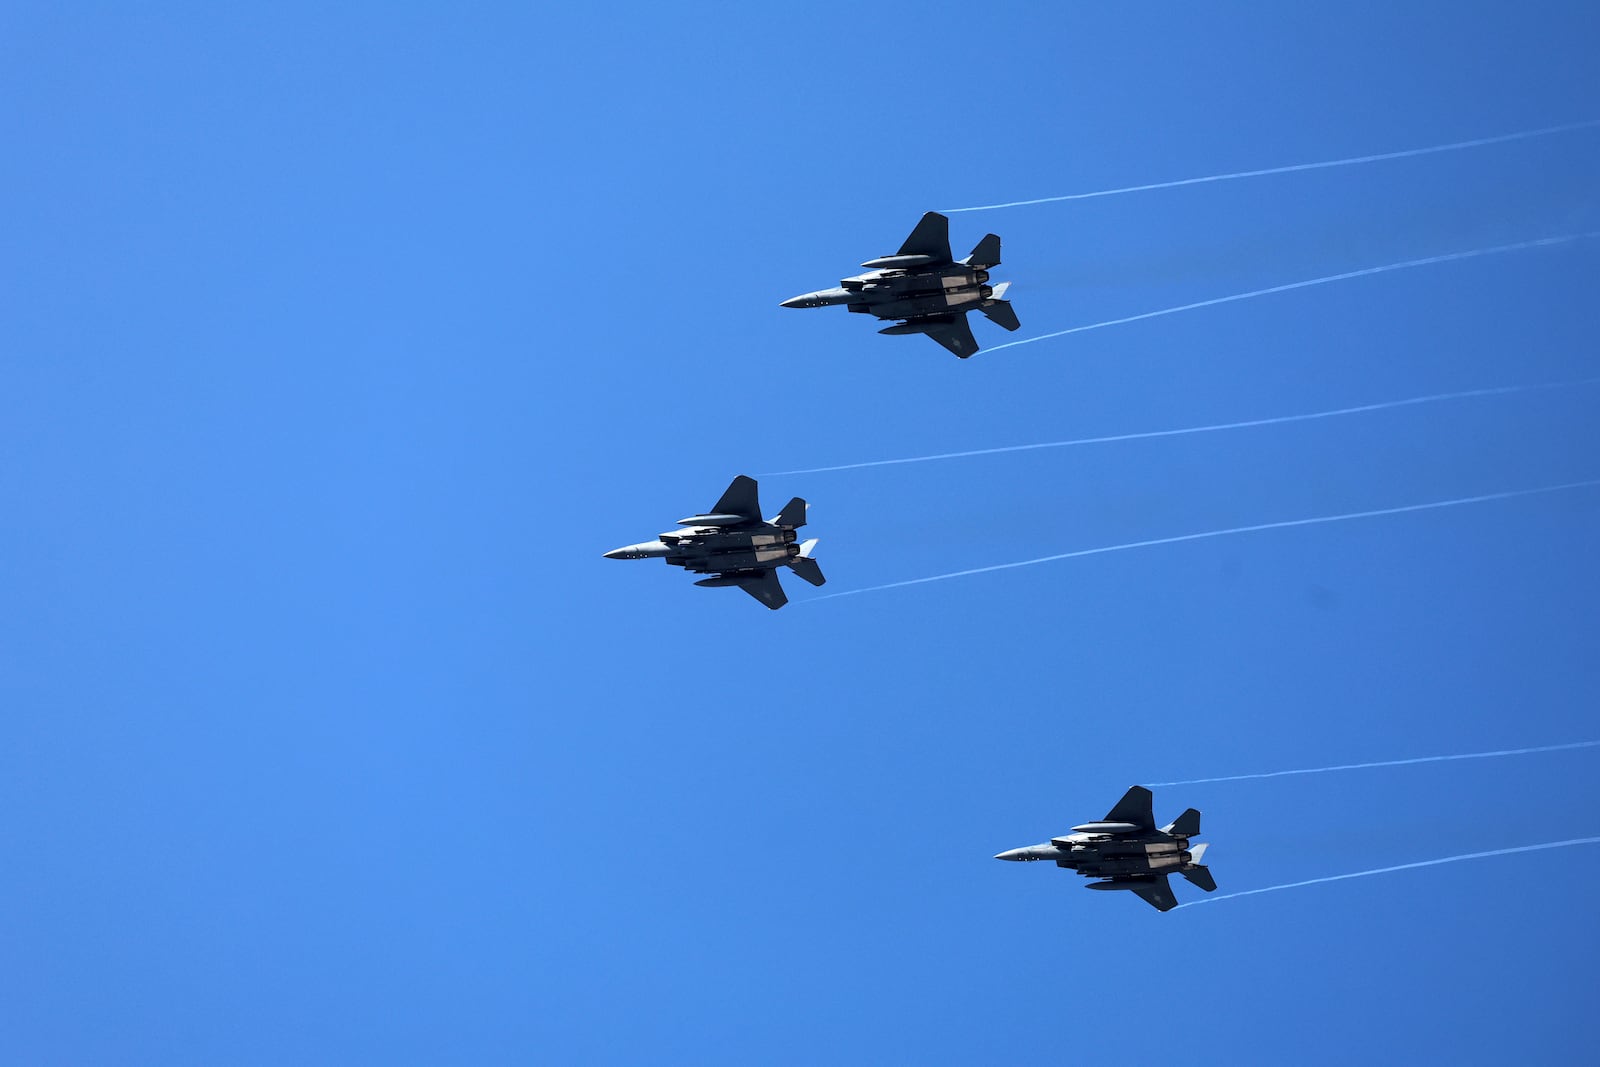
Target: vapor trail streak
[[1432, 398], [1454, 146], [1399, 867], [1392, 763], [1404, 265], [1204, 535]]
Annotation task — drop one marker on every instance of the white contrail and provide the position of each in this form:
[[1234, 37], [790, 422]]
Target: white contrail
[[1399, 867], [1404, 265], [1454, 146], [1431, 398], [1285, 524], [1392, 763]]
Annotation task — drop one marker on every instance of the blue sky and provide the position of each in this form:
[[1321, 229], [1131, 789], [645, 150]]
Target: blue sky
[[340, 344]]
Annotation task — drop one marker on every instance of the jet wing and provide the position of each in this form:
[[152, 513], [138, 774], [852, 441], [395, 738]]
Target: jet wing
[[765, 587], [740, 499], [930, 238], [954, 334], [1136, 806], [1157, 891]]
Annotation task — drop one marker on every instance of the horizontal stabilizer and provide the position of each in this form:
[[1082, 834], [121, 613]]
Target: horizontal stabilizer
[[740, 499], [807, 568], [986, 255], [1185, 825], [1000, 313], [793, 514], [1200, 876]]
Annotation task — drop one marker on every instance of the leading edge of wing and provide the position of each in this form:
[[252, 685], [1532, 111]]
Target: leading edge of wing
[[1137, 806], [741, 498], [930, 238]]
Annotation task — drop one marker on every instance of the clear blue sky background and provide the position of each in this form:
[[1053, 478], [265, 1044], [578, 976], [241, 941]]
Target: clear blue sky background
[[338, 345]]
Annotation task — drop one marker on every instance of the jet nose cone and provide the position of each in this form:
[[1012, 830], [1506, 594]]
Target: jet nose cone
[[795, 301], [642, 550], [1011, 854]]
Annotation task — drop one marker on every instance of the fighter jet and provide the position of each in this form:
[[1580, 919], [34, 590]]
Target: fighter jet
[[736, 546], [1128, 851], [925, 288]]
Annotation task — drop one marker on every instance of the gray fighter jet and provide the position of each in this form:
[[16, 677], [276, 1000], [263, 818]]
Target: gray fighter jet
[[1128, 851], [925, 288], [736, 546]]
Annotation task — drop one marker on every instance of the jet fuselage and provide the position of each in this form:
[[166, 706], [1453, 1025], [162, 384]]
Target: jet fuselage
[[714, 550], [1105, 856], [1127, 850], [737, 547], [903, 294], [924, 289]]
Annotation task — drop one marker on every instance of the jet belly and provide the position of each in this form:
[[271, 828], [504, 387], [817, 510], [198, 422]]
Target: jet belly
[[728, 540], [1127, 867], [1145, 849], [724, 550], [942, 303], [1121, 859], [904, 285], [739, 559]]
